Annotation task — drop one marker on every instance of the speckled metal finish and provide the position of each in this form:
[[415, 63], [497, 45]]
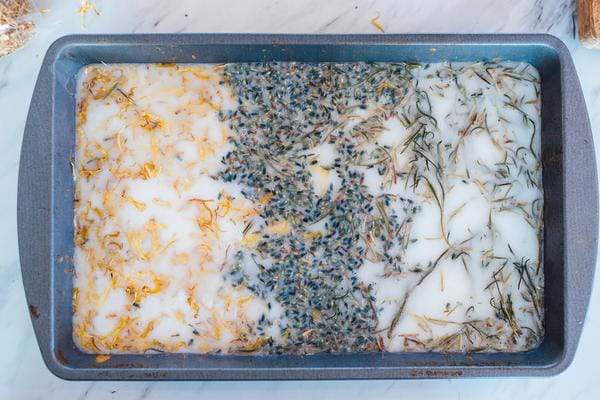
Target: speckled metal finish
[[45, 202]]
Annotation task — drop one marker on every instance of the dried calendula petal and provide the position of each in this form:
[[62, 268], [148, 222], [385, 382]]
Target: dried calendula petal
[[149, 170], [101, 358], [149, 121]]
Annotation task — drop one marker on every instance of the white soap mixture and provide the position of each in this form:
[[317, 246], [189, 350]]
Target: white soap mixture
[[188, 239]]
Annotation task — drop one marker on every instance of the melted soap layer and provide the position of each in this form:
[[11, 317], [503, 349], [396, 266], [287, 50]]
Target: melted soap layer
[[299, 208]]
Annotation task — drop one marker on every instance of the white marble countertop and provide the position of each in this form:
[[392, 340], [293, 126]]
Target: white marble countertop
[[22, 371]]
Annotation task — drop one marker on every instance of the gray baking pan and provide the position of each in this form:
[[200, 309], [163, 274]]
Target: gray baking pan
[[45, 202]]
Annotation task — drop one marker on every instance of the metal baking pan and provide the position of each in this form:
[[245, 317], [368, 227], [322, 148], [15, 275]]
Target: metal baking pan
[[45, 202]]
